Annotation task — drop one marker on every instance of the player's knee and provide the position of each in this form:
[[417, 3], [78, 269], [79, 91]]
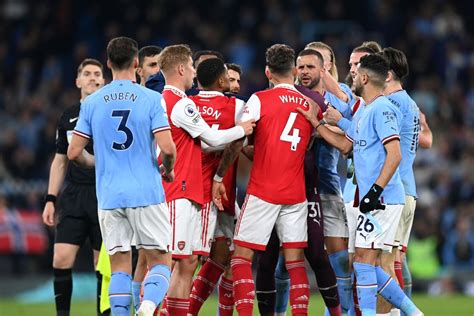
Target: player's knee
[[187, 266], [62, 260]]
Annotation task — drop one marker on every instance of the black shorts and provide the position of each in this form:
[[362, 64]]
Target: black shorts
[[78, 220]]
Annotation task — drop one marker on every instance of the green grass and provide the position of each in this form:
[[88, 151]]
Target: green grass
[[431, 306]]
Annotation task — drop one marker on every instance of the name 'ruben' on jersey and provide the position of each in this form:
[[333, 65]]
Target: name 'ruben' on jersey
[[280, 138], [127, 172], [409, 137]]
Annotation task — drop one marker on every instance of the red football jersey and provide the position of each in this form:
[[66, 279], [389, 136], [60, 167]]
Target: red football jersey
[[219, 112], [281, 137], [188, 177]]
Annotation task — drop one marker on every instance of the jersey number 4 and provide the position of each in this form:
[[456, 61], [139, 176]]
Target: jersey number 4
[[293, 138], [124, 114]]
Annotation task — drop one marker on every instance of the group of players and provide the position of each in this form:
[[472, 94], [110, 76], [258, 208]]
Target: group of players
[[182, 205]]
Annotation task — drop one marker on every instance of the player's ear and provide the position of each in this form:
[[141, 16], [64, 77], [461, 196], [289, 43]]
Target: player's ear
[[294, 72], [139, 71], [135, 63], [389, 76], [78, 83], [109, 64], [180, 69], [268, 73]]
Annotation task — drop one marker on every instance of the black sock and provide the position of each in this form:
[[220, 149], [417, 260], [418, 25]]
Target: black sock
[[99, 291], [63, 291]]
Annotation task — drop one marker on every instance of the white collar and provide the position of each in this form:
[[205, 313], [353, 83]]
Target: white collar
[[286, 86], [209, 94], [175, 90]]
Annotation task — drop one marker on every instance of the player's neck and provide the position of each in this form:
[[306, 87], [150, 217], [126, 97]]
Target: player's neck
[[370, 93], [127, 74], [319, 88], [175, 83], [391, 87], [283, 80]]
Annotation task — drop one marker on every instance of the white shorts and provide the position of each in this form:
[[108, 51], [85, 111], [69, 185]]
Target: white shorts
[[185, 227], [258, 217], [334, 215], [208, 221], [225, 229], [406, 222], [376, 230], [352, 213], [149, 227]]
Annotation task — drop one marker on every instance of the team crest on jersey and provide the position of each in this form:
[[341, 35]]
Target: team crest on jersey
[[181, 245]]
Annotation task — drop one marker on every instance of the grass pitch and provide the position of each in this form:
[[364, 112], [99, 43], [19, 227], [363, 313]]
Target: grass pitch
[[431, 306]]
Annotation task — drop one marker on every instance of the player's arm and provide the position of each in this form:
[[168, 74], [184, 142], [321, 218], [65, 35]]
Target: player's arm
[[164, 140], [392, 160], [426, 136], [57, 174], [332, 86], [343, 144], [76, 151]]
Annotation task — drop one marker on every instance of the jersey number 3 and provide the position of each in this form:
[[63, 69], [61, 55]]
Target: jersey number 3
[[293, 138], [124, 114]]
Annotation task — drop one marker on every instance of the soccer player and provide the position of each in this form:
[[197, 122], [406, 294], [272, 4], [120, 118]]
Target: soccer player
[[148, 62], [273, 199], [185, 195], [77, 220], [235, 72], [126, 120], [374, 138], [219, 111]]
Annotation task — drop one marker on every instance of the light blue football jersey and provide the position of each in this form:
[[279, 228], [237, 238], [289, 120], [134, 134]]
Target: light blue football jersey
[[409, 136], [121, 118], [377, 124]]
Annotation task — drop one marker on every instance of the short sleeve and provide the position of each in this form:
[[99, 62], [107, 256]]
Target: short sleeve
[[159, 119], [186, 116], [239, 110], [252, 109], [61, 137], [386, 124], [83, 127]]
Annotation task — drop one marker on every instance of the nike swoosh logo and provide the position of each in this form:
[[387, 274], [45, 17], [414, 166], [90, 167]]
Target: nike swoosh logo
[[73, 119]]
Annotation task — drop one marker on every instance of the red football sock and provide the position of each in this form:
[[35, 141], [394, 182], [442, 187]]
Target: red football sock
[[299, 287], [177, 306], [399, 273], [204, 284], [244, 288], [226, 297], [335, 311]]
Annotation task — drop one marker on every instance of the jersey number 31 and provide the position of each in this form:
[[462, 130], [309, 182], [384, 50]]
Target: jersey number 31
[[293, 138]]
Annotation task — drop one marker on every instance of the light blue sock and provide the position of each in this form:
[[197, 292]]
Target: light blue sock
[[120, 295], [156, 283], [406, 277], [340, 264], [136, 286], [282, 286], [366, 288], [391, 291]]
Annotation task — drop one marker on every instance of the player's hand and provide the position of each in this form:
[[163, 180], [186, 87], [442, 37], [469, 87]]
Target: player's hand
[[218, 192], [248, 126], [167, 176], [48, 214], [371, 201], [332, 116], [312, 113]]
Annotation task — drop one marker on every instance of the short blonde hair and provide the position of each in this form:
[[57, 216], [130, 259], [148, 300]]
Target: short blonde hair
[[321, 45], [174, 55]]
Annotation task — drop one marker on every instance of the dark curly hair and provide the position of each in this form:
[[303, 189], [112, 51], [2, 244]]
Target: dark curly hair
[[280, 59]]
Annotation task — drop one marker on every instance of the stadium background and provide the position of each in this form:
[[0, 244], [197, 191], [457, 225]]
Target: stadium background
[[42, 42]]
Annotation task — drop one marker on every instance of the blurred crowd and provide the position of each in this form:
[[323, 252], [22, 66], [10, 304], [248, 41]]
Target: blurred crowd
[[42, 42]]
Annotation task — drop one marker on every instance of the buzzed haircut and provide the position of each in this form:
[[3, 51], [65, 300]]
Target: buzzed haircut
[[147, 51], [397, 62], [89, 61], [235, 68], [373, 45], [174, 55], [309, 52], [378, 67], [200, 53], [209, 71], [280, 59], [121, 51]]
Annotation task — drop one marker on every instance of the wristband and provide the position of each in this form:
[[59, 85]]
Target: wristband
[[218, 178], [320, 123], [50, 198]]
